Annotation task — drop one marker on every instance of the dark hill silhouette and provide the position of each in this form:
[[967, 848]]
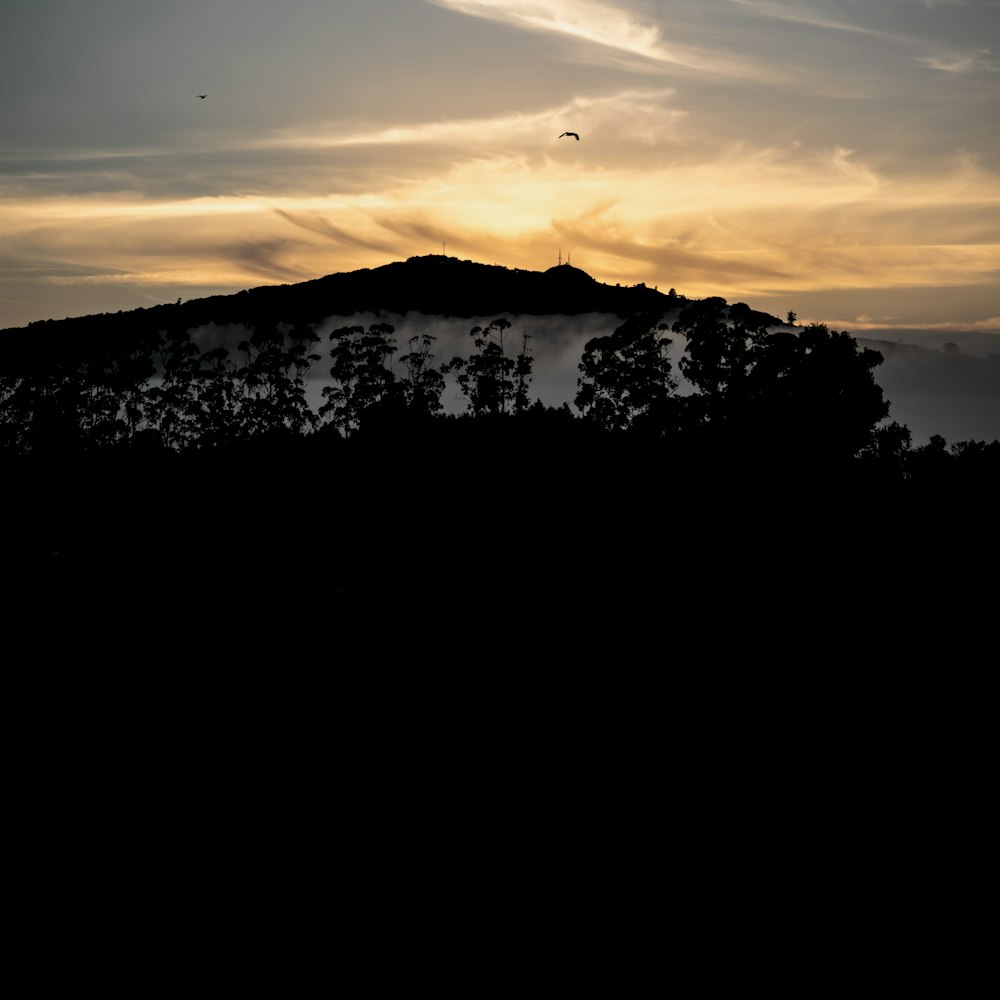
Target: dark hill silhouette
[[434, 285]]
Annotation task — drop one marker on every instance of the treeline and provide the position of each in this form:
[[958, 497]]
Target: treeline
[[781, 403], [146, 476]]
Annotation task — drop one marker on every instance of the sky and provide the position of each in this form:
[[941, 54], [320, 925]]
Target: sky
[[838, 158]]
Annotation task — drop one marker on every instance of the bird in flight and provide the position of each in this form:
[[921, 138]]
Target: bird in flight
[[203, 96], [575, 136]]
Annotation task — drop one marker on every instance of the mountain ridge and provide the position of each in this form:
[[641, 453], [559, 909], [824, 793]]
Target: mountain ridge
[[432, 284]]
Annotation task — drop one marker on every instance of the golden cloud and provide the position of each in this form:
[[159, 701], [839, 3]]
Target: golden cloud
[[706, 218]]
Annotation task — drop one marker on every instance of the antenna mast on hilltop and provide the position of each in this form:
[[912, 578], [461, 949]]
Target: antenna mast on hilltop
[[560, 256]]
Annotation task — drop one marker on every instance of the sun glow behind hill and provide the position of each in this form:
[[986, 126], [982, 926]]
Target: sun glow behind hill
[[745, 226]]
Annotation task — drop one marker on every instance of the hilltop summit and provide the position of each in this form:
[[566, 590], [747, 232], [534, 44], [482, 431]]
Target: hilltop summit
[[432, 284]]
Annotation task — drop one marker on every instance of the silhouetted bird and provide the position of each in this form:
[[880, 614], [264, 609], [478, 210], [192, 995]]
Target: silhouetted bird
[[203, 96], [575, 136]]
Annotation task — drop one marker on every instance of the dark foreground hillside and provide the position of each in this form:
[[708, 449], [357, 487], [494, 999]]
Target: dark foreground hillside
[[178, 491], [524, 518]]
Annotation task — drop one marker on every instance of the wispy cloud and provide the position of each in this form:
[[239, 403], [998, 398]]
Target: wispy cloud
[[870, 324], [931, 4], [643, 112], [963, 62], [606, 27], [730, 220], [340, 234], [844, 162], [950, 62], [587, 20], [803, 15]]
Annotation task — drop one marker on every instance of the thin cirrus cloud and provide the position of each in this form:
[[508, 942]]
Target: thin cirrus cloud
[[963, 62], [608, 29], [803, 15], [871, 325], [975, 60], [644, 111], [587, 20]]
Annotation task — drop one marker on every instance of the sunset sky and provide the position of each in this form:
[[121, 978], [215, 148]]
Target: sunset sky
[[836, 157]]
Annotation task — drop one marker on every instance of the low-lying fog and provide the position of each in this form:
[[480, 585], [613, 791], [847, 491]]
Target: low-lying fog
[[953, 392]]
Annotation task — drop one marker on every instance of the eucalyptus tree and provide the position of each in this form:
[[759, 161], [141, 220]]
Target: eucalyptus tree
[[493, 383], [362, 376], [273, 378], [626, 376], [423, 384]]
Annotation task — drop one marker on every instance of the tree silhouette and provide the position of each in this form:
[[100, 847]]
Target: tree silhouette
[[218, 403], [887, 452], [626, 377], [273, 381], [11, 412], [81, 396], [493, 383], [363, 380], [810, 393], [721, 344], [522, 376], [54, 408], [423, 385], [173, 409]]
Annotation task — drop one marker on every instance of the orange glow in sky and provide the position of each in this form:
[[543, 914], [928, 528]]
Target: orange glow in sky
[[821, 156]]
